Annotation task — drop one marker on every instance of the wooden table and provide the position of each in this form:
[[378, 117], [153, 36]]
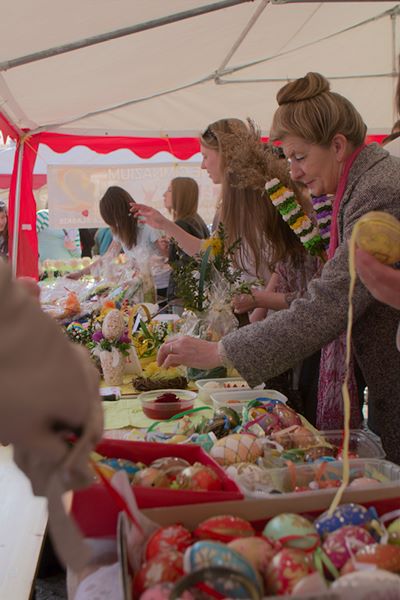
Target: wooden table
[[23, 521]]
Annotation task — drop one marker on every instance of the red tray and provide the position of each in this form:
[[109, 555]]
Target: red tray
[[95, 510]]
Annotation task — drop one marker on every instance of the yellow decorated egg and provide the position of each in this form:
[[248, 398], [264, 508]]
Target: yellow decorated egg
[[236, 448], [378, 233]]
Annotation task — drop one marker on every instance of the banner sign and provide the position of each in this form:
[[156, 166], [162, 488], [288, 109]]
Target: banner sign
[[74, 191]]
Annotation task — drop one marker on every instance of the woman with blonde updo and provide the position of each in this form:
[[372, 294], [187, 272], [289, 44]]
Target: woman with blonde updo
[[322, 136]]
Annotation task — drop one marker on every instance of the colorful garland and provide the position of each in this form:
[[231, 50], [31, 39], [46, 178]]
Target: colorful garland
[[290, 210], [323, 211]]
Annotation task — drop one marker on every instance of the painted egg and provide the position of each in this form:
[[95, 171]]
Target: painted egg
[[311, 585], [343, 542], [167, 567], [175, 537], [383, 556], [170, 465], [374, 584], [262, 425], [364, 482], [224, 528], [151, 477], [394, 532], [230, 414], [163, 592], [219, 425], [292, 531], [210, 554], [286, 569], [345, 514], [121, 464], [236, 448], [199, 477], [257, 550], [286, 415], [113, 325], [205, 440]]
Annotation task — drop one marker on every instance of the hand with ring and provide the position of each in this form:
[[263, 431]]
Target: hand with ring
[[190, 352]]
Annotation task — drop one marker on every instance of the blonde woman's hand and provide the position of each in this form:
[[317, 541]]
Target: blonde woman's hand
[[149, 215], [243, 303]]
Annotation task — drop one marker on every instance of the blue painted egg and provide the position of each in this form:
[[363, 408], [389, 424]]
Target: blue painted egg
[[213, 554], [292, 531], [345, 514]]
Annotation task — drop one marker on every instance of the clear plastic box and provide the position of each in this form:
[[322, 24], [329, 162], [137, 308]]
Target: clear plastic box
[[237, 399], [207, 387]]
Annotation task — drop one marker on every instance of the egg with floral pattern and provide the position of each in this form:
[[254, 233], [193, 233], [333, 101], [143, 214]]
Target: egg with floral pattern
[[172, 537], [113, 325], [224, 528], [341, 543], [292, 531], [165, 567], [382, 556], [257, 550], [286, 569], [236, 448], [345, 514], [374, 584]]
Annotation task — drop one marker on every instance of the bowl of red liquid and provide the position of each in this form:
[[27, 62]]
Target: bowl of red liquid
[[164, 404]]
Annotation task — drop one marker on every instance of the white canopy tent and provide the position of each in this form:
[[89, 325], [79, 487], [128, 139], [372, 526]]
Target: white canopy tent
[[160, 69], [177, 77]]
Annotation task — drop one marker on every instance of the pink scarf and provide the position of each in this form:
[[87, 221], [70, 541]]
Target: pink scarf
[[332, 364]]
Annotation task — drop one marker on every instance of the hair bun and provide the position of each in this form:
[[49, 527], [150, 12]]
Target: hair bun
[[305, 88]]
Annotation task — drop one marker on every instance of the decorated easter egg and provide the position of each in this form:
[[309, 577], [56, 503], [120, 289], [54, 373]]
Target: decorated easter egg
[[236, 448], [170, 465], [219, 425], [199, 477], [151, 477], [258, 551], [364, 482], [205, 440], [394, 532], [223, 528], [292, 531], [162, 591], [213, 554], [160, 569], [262, 425], [382, 556], [374, 584], [302, 437], [339, 544], [285, 569], [286, 415], [230, 414], [345, 514], [121, 464], [175, 537], [113, 325], [310, 585]]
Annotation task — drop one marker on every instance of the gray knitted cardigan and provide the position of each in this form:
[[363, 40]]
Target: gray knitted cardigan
[[265, 349]]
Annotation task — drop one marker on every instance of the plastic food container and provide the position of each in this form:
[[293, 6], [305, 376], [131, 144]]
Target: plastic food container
[[237, 399], [159, 410], [96, 511], [207, 387]]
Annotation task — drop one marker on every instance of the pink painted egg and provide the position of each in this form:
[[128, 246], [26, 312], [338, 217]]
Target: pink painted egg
[[313, 584], [172, 537], [258, 551], [286, 415], [164, 568], [286, 569], [339, 544], [163, 592], [382, 556], [199, 477]]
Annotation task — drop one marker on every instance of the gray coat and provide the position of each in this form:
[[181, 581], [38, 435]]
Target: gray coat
[[265, 349]]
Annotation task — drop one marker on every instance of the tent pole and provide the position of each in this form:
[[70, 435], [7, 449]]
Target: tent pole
[[17, 207], [111, 35]]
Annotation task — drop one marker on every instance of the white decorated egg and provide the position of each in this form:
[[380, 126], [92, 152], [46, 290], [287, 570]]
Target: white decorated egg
[[236, 448]]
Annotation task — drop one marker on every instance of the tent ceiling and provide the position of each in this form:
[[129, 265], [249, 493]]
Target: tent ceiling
[[161, 81]]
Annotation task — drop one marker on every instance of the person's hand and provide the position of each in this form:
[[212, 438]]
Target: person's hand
[[149, 215], [381, 280], [190, 352], [242, 303], [76, 274]]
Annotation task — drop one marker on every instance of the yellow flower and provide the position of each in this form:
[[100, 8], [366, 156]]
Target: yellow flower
[[215, 243]]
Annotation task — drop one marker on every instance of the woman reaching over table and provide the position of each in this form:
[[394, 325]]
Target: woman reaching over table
[[323, 135], [244, 213]]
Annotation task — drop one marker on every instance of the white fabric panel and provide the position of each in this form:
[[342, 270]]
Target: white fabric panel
[[65, 88]]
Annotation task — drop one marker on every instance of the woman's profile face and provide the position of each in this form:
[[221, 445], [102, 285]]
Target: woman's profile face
[[168, 198], [315, 166], [211, 163], [3, 221]]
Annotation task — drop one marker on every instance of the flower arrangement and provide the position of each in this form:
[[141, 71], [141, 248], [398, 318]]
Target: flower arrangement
[[195, 276], [123, 343], [290, 210]]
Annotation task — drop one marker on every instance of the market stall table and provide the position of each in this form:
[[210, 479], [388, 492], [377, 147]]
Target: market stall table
[[22, 528]]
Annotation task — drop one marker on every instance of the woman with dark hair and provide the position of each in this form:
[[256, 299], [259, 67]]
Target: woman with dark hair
[[181, 199], [3, 230]]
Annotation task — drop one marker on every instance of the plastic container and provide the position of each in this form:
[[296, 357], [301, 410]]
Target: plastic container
[[237, 399], [221, 385], [165, 410], [96, 511], [361, 444]]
